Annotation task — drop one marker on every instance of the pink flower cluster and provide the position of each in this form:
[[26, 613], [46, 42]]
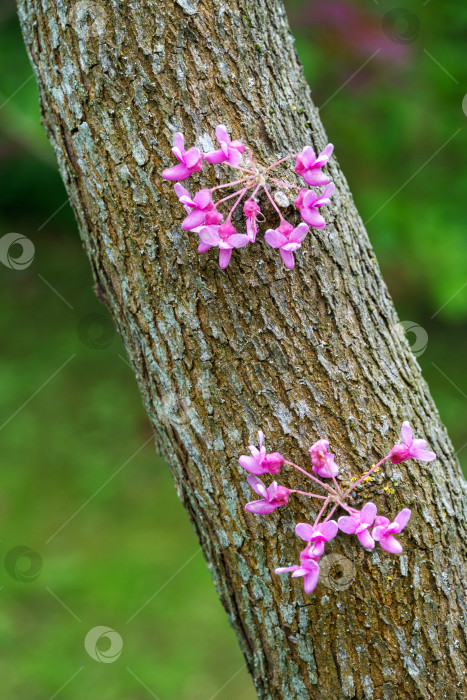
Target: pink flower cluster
[[204, 218], [365, 523]]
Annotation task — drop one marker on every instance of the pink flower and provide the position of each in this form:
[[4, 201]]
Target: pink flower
[[307, 165], [251, 211], [358, 524], [384, 530], [225, 238], [260, 462], [288, 239], [274, 496], [309, 569], [197, 207], [190, 161], [230, 151], [409, 448], [316, 536], [308, 203], [322, 460]]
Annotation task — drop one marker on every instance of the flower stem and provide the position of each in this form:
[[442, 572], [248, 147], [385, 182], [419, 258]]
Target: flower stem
[[284, 184], [237, 202], [330, 512], [375, 466], [274, 204], [244, 170], [321, 512], [312, 495], [228, 184], [234, 194], [250, 156], [274, 165], [310, 476]]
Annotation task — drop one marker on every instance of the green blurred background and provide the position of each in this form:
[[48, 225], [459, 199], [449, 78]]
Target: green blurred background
[[76, 443]]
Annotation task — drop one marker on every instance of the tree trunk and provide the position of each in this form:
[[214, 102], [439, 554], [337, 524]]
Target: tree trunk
[[303, 354]]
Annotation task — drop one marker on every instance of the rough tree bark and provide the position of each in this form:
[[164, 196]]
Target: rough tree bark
[[302, 354]]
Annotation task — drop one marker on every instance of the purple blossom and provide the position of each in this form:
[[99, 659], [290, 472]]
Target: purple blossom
[[288, 239], [260, 462], [230, 151], [198, 207], [384, 530], [190, 161], [308, 202], [322, 460], [251, 211], [309, 569], [274, 496], [410, 448], [358, 524], [308, 165], [316, 536], [225, 238]]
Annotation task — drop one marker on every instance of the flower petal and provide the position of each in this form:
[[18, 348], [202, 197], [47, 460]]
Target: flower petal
[[292, 246], [368, 513], [311, 579], [260, 507], [329, 529], [238, 240], [257, 485], [209, 234], [288, 258], [215, 157], [307, 156], [221, 134], [366, 539], [274, 238], [178, 172], [238, 145], [179, 142], [235, 157], [422, 455], [316, 178], [324, 156], [203, 199], [251, 464], [180, 191], [224, 257], [313, 218], [299, 233], [203, 247], [304, 531], [390, 544], [347, 524], [195, 218], [403, 518], [285, 569], [406, 433], [192, 157]]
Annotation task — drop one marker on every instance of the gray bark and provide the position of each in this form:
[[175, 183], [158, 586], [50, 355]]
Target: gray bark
[[304, 354]]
